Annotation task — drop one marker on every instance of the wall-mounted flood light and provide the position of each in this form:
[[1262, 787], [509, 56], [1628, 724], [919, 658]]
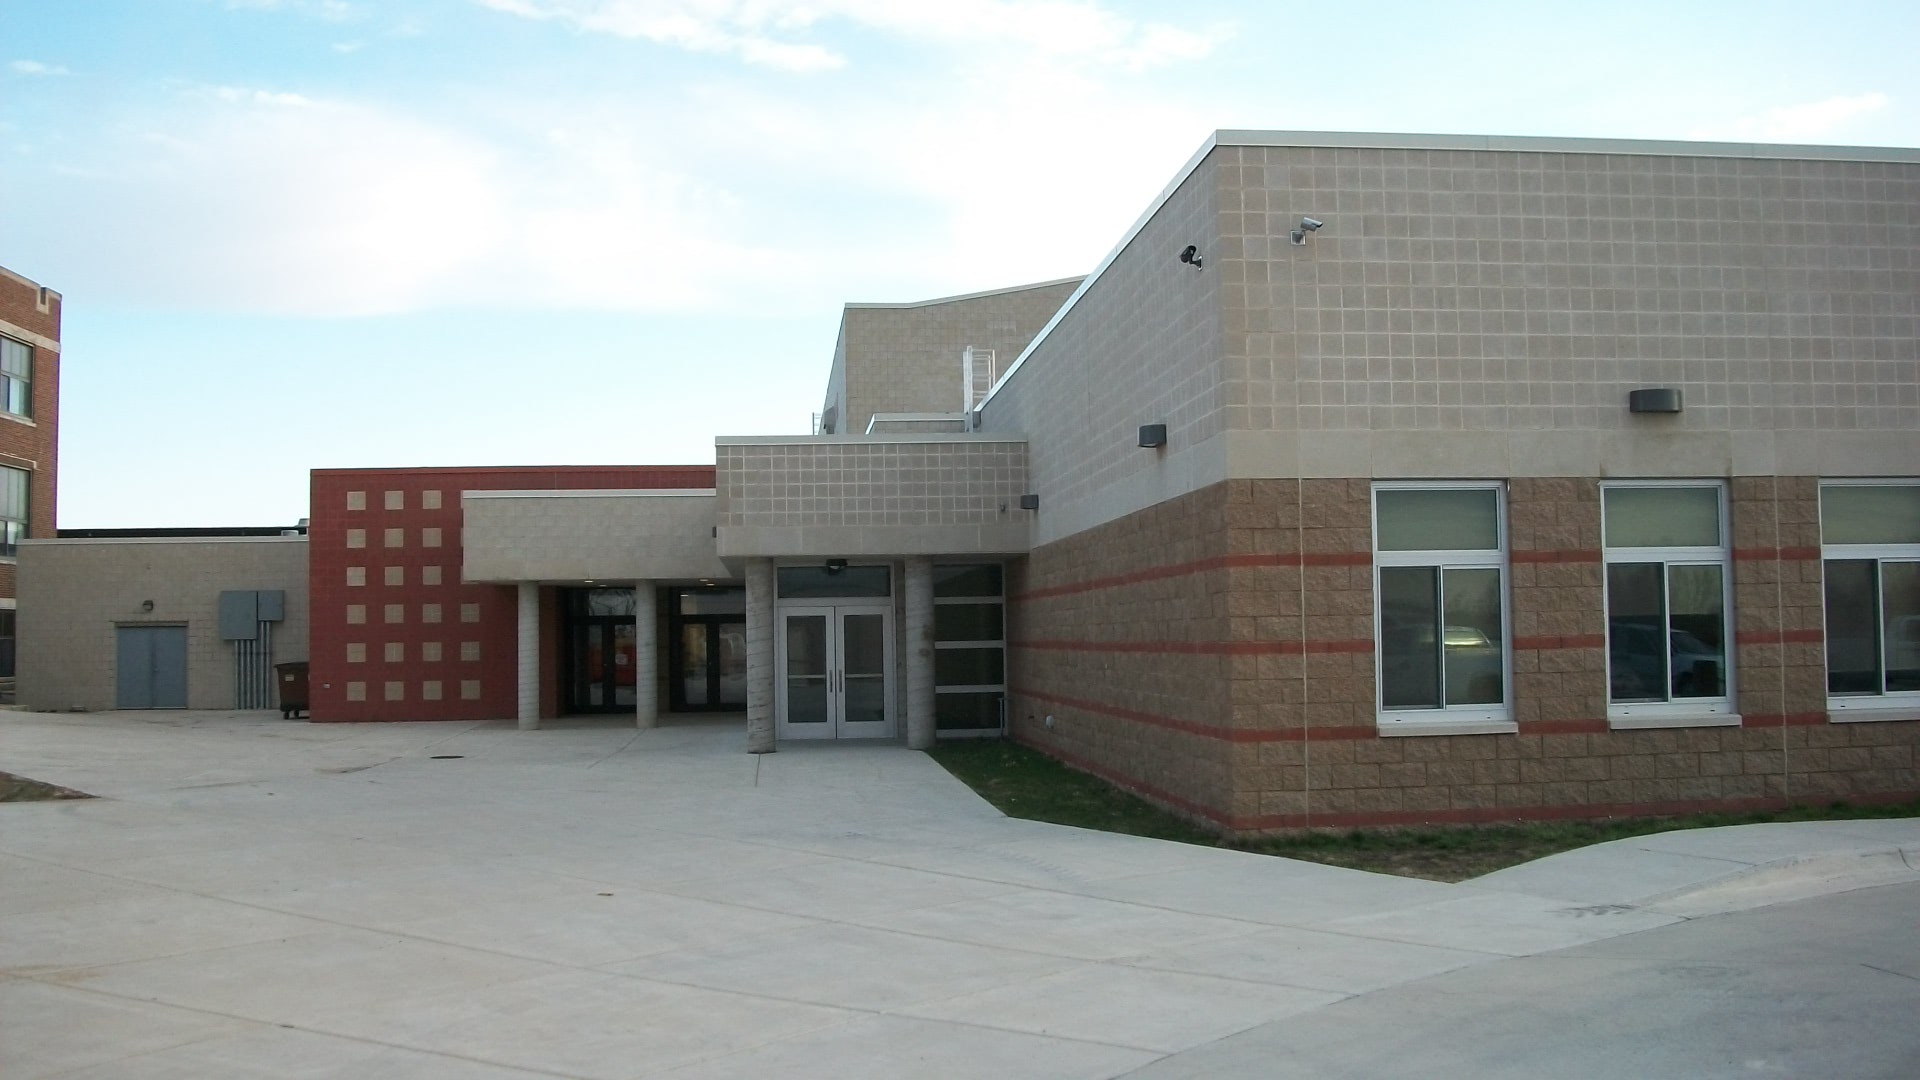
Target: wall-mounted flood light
[[1030, 502], [1663, 399], [1307, 225], [146, 605], [1153, 435], [1191, 256], [834, 566]]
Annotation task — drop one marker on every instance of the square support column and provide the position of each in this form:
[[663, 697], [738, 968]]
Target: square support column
[[646, 657], [920, 717], [760, 658], [527, 665]]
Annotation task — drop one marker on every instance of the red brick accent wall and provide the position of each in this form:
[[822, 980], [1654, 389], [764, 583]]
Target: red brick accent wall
[[1128, 634], [396, 615], [34, 445]]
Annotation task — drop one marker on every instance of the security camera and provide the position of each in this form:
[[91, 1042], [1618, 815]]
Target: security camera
[[1311, 224], [1190, 255]]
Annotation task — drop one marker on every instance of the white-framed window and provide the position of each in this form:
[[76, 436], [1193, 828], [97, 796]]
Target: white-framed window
[[1440, 608], [16, 377], [969, 650], [1870, 552], [1669, 626], [15, 498]]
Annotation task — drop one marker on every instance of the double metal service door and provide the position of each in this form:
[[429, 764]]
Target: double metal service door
[[836, 674], [150, 670]]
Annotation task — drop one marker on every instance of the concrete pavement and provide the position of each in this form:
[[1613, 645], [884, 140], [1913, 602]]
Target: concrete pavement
[[251, 896]]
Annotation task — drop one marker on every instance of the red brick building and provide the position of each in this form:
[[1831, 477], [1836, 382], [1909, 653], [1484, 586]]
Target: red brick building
[[396, 634], [29, 426]]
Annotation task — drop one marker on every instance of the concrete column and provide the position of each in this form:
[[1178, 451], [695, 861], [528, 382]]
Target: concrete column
[[528, 664], [760, 658], [646, 657], [920, 722]]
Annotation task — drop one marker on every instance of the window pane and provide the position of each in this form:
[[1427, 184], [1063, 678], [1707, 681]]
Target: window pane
[[607, 602], [712, 601], [1853, 626], [13, 493], [1900, 582], [969, 667], [971, 711], [979, 580], [1661, 516], [1870, 515], [1636, 632], [807, 581], [16, 358], [1697, 635], [966, 622], [1439, 519], [1409, 655], [1472, 637]]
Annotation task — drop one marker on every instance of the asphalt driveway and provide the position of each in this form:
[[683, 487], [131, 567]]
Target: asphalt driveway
[[255, 897]]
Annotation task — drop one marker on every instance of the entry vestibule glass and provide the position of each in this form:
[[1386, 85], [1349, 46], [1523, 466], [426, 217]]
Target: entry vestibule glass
[[806, 670]]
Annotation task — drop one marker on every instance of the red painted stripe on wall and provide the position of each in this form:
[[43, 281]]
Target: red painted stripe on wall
[[1199, 648], [1205, 731], [1463, 816], [1198, 566], [1561, 641]]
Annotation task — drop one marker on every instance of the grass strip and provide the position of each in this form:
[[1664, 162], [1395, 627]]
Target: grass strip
[[1025, 783]]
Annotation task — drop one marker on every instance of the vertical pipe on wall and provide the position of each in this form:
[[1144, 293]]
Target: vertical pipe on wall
[[920, 717], [646, 657], [527, 664], [760, 658]]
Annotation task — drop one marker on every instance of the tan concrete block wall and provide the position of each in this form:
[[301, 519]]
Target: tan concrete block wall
[[962, 480], [1489, 290], [1142, 345], [570, 537], [896, 358], [75, 592]]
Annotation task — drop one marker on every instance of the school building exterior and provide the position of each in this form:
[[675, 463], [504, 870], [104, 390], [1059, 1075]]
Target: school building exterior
[[29, 433], [1371, 480]]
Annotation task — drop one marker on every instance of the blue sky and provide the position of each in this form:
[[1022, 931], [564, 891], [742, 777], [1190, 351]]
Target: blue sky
[[315, 233]]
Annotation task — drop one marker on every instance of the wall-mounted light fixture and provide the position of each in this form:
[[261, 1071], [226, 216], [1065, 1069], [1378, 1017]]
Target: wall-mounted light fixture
[[1307, 225], [1153, 435], [1191, 256], [1030, 502], [146, 605], [1663, 399], [834, 566]]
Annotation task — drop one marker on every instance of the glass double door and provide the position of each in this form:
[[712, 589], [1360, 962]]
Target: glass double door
[[710, 666], [835, 679]]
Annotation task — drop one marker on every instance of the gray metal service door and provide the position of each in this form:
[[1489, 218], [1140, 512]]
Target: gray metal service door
[[152, 667]]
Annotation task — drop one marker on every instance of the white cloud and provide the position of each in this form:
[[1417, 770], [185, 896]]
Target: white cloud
[[245, 199], [766, 32], [1797, 123], [35, 67]]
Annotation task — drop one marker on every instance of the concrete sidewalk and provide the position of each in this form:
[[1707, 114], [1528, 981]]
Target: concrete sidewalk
[[254, 897]]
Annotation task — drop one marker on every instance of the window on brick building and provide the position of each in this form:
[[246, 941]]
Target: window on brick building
[[1440, 607], [16, 377], [1667, 568], [14, 498], [1870, 548]]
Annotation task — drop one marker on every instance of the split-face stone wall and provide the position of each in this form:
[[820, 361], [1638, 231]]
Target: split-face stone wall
[[1216, 654]]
